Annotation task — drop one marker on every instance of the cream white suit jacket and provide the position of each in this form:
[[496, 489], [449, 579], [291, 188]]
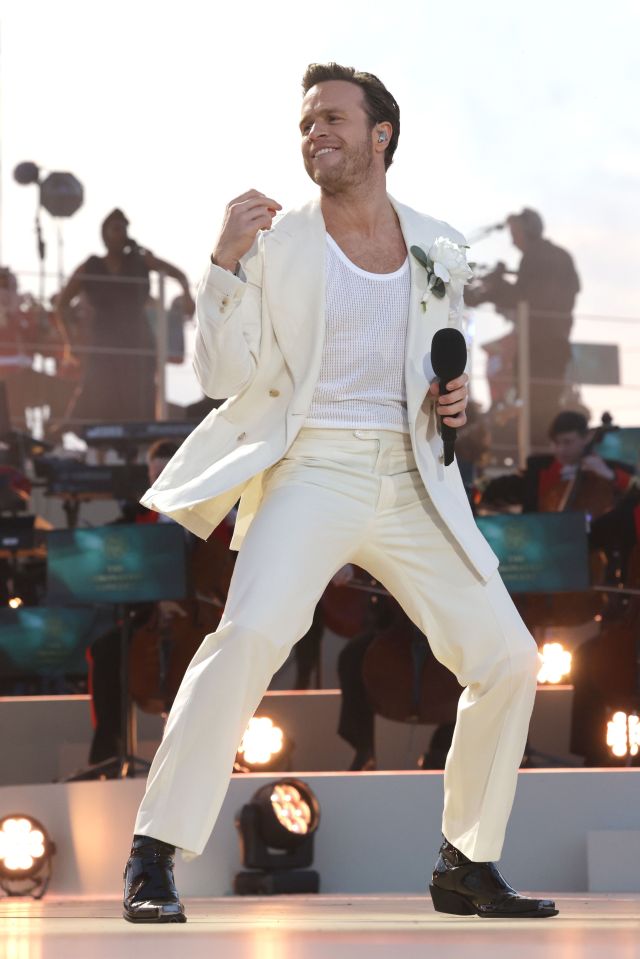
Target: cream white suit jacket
[[259, 342]]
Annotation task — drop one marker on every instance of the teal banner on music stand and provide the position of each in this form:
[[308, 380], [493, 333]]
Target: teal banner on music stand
[[539, 552], [622, 445], [116, 564], [48, 641]]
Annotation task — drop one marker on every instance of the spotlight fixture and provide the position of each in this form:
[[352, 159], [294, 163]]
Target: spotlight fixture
[[26, 851], [277, 831], [264, 747], [623, 735], [15, 602], [556, 663]]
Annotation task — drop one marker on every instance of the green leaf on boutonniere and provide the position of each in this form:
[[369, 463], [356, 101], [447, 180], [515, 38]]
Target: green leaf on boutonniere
[[420, 256], [438, 289]]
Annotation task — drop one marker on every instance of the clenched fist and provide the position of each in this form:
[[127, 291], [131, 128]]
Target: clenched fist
[[243, 217]]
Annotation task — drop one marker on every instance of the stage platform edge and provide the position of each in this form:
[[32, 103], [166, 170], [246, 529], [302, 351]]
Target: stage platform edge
[[379, 831]]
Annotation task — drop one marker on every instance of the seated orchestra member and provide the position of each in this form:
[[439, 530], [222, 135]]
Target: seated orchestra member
[[22, 576], [614, 532], [104, 654], [356, 723], [531, 488], [387, 668], [604, 668]]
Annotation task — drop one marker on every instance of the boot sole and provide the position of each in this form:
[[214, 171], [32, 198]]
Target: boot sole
[[454, 904], [154, 920]]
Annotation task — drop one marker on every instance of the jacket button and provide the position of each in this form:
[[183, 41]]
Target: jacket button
[[274, 392], [225, 300], [241, 436]]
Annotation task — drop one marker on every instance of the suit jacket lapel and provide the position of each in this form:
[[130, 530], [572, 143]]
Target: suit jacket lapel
[[294, 286], [419, 231]]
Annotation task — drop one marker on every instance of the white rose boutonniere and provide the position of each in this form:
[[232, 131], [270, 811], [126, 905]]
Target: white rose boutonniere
[[446, 266]]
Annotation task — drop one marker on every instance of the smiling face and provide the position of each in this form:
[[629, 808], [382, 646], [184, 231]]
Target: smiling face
[[337, 137]]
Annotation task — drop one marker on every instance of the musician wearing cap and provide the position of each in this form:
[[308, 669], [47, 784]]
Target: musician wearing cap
[[318, 328], [547, 280]]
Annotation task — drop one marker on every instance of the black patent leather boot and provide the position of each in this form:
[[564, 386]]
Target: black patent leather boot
[[461, 887], [150, 894]]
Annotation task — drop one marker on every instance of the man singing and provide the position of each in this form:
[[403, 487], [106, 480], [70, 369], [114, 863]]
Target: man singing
[[318, 329]]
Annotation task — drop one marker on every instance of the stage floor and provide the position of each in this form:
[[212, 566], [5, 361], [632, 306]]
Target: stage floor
[[343, 927]]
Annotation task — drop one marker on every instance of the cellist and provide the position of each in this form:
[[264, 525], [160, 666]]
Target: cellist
[[546, 483]]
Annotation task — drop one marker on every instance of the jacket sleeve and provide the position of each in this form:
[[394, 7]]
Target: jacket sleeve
[[228, 318]]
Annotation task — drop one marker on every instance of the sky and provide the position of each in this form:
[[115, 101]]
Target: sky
[[169, 110]]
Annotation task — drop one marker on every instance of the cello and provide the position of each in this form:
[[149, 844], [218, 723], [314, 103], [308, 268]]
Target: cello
[[403, 680], [164, 645]]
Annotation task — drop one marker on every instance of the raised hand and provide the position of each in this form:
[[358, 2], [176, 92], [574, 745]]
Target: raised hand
[[243, 217]]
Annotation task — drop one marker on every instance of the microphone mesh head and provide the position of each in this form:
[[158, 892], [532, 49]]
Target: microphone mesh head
[[448, 353]]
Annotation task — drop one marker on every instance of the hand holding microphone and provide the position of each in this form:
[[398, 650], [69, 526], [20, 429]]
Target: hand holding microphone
[[449, 358]]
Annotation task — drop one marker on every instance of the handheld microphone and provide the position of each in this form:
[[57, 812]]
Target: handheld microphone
[[448, 359]]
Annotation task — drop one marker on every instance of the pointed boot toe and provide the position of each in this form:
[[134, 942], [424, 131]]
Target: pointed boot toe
[[461, 887], [150, 894]]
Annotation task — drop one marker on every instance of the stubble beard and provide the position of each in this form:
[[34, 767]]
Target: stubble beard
[[354, 170]]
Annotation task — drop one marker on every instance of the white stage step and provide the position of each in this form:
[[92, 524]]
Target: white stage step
[[379, 832], [50, 736]]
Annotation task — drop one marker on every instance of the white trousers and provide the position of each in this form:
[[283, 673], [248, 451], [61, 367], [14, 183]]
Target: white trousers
[[341, 496]]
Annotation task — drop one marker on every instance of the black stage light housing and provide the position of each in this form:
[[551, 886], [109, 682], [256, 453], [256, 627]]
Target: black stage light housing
[[26, 851], [276, 832]]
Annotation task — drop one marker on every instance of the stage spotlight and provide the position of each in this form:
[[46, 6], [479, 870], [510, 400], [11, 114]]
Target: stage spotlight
[[623, 735], [556, 663], [26, 852], [264, 747], [277, 831], [15, 602]]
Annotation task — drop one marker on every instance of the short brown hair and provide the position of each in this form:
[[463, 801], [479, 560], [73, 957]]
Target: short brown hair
[[379, 104], [569, 421]]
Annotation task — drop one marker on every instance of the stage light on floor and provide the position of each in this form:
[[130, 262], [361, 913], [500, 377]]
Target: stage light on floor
[[26, 851], [623, 735], [556, 663], [277, 831], [264, 747], [15, 602]]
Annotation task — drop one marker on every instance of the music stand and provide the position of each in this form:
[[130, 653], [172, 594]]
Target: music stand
[[540, 553], [120, 565], [621, 445], [76, 483], [43, 642]]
